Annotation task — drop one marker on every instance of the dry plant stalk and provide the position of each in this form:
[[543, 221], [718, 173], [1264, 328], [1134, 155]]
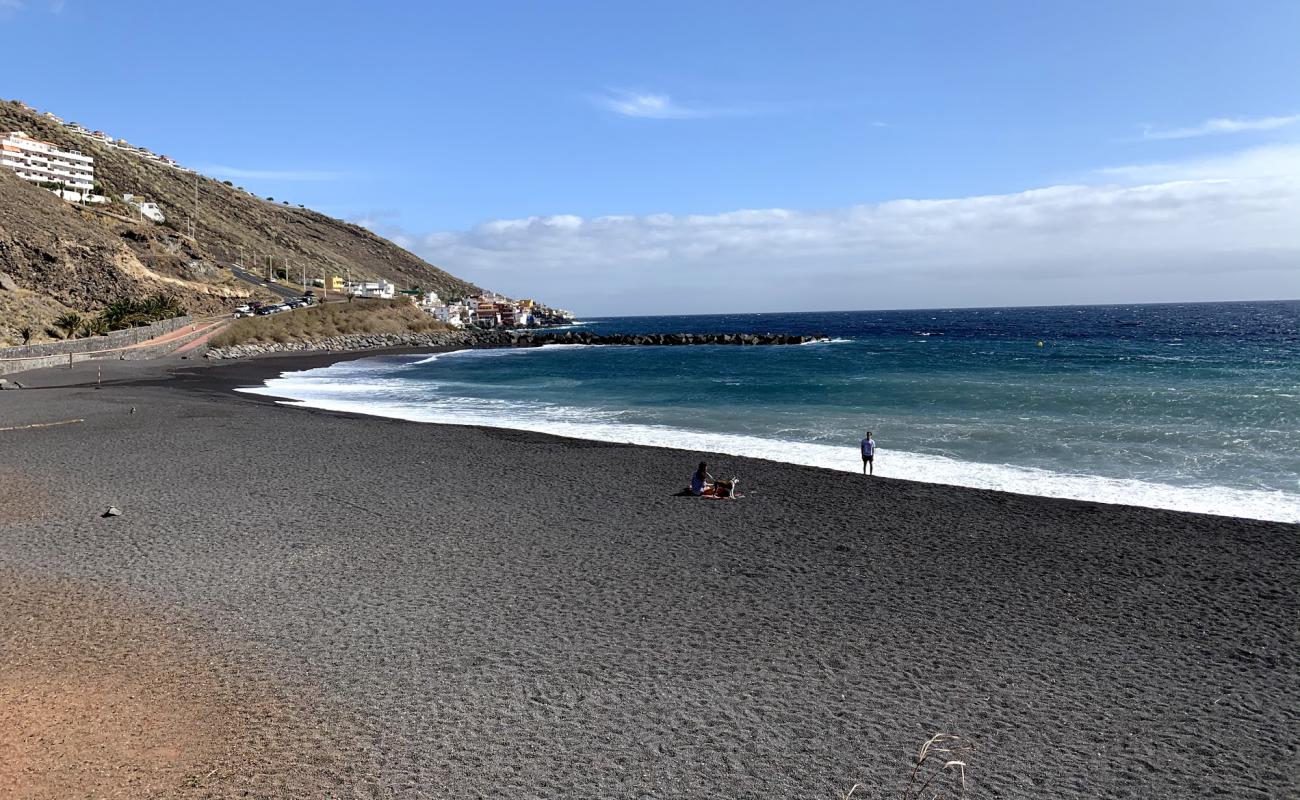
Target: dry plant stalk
[[952, 772]]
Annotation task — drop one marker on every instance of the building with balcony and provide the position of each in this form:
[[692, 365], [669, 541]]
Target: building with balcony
[[381, 289], [43, 162]]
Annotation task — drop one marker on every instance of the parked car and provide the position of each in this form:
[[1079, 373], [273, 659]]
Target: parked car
[[263, 311], [243, 311]]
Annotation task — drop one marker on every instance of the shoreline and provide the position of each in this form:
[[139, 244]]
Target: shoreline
[[457, 610], [253, 374]]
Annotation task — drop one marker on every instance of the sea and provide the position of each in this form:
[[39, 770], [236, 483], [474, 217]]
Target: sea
[[1192, 407]]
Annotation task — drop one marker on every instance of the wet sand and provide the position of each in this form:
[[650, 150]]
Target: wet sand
[[298, 603]]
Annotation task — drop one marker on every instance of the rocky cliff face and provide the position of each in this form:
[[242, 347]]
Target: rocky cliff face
[[82, 259]]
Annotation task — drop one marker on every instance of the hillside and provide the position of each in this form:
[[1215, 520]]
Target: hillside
[[71, 258]]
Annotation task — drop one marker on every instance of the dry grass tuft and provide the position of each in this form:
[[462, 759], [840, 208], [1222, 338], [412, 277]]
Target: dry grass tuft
[[330, 319], [930, 778]]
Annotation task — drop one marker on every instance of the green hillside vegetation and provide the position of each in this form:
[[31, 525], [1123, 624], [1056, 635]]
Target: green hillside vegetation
[[330, 319]]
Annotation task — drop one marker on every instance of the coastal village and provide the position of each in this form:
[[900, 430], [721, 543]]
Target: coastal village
[[488, 310]]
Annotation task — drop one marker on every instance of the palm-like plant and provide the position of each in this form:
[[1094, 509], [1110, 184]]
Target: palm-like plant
[[95, 326], [68, 323], [128, 313]]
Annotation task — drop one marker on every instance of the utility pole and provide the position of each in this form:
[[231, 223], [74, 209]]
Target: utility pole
[[195, 218]]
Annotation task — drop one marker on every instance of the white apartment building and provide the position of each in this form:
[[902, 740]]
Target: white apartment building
[[381, 289], [42, 162]]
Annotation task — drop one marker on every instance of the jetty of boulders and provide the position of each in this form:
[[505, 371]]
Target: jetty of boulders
[[490, 338], [516, 338]]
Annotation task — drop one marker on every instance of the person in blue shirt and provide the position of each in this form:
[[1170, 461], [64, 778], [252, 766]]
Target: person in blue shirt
[[868, 455], [701, 481]]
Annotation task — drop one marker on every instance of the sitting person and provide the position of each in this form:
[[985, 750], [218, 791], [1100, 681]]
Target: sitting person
[[704, 485], [702, 481]]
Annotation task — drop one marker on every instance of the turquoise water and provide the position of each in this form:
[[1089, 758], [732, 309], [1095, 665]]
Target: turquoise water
[[1193, 407]]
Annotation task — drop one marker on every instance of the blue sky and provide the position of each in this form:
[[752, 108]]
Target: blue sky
[[605, 155]]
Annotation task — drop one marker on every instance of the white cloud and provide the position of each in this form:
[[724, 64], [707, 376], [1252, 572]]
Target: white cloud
[[1257, 162], [1221, 125], [654, 106], [1205, 230], [222, 171]]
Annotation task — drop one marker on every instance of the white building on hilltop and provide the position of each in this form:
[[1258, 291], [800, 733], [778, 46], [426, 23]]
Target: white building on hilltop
[[43, 162]]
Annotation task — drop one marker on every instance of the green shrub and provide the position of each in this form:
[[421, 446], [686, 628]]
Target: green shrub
[[130, 313], [68, 323], [94, 326]]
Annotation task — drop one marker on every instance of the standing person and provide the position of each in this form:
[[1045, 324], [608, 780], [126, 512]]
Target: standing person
[[868, 455]]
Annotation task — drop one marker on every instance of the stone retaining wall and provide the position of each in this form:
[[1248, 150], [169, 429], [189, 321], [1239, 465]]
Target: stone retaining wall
[[115, 339], [11, 366]]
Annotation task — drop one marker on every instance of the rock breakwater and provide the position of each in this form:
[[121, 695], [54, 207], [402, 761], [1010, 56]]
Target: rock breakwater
[[501, 338]]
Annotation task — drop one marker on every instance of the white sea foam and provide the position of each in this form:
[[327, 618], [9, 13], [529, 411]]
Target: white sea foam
[[316, 390]]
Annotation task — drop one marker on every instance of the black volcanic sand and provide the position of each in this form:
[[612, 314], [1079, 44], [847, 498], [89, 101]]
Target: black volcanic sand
[[298, 603]]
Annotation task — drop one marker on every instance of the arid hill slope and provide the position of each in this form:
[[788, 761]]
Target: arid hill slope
[[81, 259]]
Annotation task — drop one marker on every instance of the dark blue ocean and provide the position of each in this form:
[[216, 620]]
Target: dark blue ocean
[[1190, 406]]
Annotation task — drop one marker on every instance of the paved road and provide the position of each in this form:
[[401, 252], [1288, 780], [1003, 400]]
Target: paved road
[[248, 277]]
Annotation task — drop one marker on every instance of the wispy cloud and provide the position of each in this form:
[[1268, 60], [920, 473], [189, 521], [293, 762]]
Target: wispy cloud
[[1270, 161], [1221, 125], [222, 171], [647, 105], [55, 6]]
